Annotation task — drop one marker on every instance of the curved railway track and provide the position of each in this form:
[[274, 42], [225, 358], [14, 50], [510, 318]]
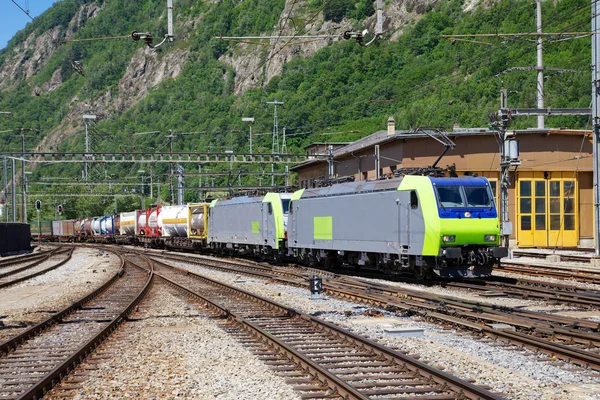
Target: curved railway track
[[320, 359], [34, 361]]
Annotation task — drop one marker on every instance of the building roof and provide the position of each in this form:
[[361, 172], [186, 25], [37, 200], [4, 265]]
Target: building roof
[[381, 137], [326, 143]]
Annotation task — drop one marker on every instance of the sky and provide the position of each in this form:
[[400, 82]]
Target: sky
[[12, 19]]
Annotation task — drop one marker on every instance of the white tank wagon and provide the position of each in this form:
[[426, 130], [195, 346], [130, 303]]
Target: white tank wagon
[[142, 225], [79, 226], [173, 221], [129, 223], [107, 225], [96, 226]]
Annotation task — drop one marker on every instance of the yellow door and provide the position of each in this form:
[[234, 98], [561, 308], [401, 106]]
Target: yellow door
[[563, 216], [547, 210]]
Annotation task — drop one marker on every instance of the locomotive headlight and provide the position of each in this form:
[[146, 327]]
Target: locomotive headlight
[[448, 238], [489, 238]]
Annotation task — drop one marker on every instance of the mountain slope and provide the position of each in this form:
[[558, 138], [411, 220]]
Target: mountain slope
[[201, 83]]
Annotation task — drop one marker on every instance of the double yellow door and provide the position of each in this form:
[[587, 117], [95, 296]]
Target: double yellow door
[[547, 214]]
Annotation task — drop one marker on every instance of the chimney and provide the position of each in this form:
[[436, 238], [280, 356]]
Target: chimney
[[391, 125]]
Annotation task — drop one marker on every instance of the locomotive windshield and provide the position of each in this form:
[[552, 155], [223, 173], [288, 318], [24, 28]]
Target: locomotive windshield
[[478, 196], [459, 196], [450, 196]]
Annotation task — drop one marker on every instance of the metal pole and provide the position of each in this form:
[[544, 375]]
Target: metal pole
[[39, 229], [171, 169], [275, 145], [596, 120], [25, 201], [87, 149], [540, 64], [377, 163], [14, 193], [23, 211], [5, 190], [250, 138], [331, 171], [143, 208]]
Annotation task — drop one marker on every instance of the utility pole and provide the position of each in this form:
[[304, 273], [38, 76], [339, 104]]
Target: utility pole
[[596, 120], [14, 193], [509, 156], [23, 216], [330, 161], [284, 151], [251, 121], [540, 64], [86, 118], [180, 185], [275, 145], [25, 189], [141, 171], [171, 137], [5, 189], [377, 163]]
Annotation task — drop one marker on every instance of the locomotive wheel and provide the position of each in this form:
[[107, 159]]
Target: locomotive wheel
[[420, 272]]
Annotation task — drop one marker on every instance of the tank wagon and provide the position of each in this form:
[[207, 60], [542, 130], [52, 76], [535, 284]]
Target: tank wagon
[[419, 224], [445, 226]]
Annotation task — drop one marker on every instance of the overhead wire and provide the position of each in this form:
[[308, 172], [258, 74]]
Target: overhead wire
[[475, 58], [32, 19]]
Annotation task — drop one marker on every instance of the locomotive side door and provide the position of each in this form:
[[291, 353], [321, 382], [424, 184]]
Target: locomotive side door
[[268, 222], [404, 220], [415, 227]]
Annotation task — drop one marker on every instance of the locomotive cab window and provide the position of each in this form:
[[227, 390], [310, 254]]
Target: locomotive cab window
[[478, 196], [270, 207], [414, 200], [286, 205], [450, 196]]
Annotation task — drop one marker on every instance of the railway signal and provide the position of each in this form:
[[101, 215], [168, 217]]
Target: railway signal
[[59, 209]]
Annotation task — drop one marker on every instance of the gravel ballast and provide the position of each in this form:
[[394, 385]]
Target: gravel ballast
[[35, 299], [172, 351], [517, 375]]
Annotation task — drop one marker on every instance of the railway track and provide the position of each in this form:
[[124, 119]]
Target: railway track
[[321, 360], [557, 272], [11, 274], [34, 361], [565, 338], [563, 257], [29, 257], [531, 290]]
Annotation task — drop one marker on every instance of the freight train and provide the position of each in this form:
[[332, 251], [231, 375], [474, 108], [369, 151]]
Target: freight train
[[421, 224]]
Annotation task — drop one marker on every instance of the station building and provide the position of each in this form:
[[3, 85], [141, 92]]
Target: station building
[[550, 192]]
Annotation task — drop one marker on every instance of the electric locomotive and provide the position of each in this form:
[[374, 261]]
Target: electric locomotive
[[443, 226]]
